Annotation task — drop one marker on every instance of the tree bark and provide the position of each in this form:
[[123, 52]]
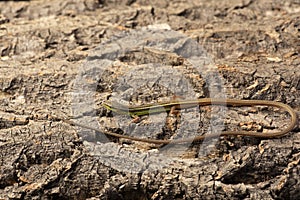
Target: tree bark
[[45, 45]]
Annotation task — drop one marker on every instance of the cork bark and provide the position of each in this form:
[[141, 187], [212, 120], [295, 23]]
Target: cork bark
[[45, 45]]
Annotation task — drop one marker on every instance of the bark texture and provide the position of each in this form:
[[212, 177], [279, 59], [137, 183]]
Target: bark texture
[[255, 46]]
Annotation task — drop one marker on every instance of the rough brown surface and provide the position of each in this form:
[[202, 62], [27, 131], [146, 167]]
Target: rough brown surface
[[43, 44]]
